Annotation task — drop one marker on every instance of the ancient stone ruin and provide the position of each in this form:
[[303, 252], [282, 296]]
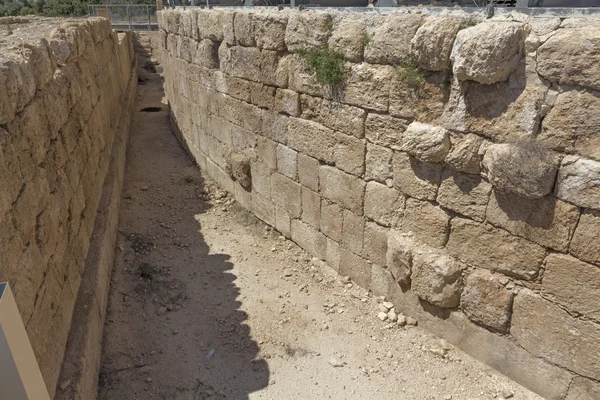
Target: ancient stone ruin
[[455, 169]]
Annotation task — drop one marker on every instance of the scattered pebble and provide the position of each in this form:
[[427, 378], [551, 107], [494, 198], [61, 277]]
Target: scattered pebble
[[382, 316]]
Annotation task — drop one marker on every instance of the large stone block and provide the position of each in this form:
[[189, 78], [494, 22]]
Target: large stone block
[[426, 142], [427, 222], [465, 194], [309, 239], [399, 255], [391, 40], [311, 207], [579, 182], [287, 194], [210, 24], [382, 282], [238, 167], [283, 222], [239, 61], [266, 150], [339, 117], [547, 221], [331, 220], [269, 30], [287, 102], [308, 172], [484, 246], [306, 30], [353, 228], [465, 155], [368, 86], [348, 39], [583, 389], [585, 244], [525, 168], [273, 69], [423, 101], [275, 127], [432, 43], [375, 243], [287, 161], [548, 332], [436, 277], [311, 139], [342, 188], [384, 130], [378, 163], [383, 205], [243, 28], [573, 284], [577, 46], [356, 268], [486, 301], [416, 178], [349, 154], [333, 254], [303, 79], [205, 53], [489, 52]]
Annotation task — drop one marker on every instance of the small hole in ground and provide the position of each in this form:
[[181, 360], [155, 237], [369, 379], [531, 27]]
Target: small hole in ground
[[151, 109]]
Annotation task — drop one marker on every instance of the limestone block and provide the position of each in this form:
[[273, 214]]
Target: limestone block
[[426, 142], [309, 239], [210, 24], [189, 24], [275, 127], [308, 172], [307, 30], [583, 389], [525, 168], [464, 154], [263, 208], [391, 40], [267, 151], [579, 182], [385, 130], [486, 302], [303, 79], [465, 194], [311, 139], [342, 188], [436, 277], [375, 243], [348, 39], [243, 28], [547, 221], [573, 284], [577, 46], [353, 229], [547, 331], [262, 96], [488, 52], [399, 255], [287, 194], [571, 125], [382, 282], [239, 61], [416, 178], [283, 222], [287, 161], [17, 85], [339, 117], [432, 43], [368, 86], [378, 163], [424, 102], [584, 244], [228, 27], [238, 167], [349, 154], [383, 205], [484, 246], [333, 254], [311, 207], [331, 220], [248, 116], [269, 30], [427, 222], [356, 268], [287, 102], [273, 69]]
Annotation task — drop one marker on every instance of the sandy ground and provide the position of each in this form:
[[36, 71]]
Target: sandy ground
[[207, 302]]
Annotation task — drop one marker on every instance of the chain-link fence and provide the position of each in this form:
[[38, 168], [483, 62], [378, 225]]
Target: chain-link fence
[[127, 16]]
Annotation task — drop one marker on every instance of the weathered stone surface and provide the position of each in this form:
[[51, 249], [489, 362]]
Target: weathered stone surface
[[486, 302], [483, 246], [348, 39], [342, 188], [375, 243], [576, 45], [274, 69], [525, 168], [275, 127], [547, 221], [572, 283], [309, 239], [356, 268], [339, 117], [287, 102], [547, 331], [287, 161], [426, 142], [333, 254], [353, 229], [416, 178], [433, 42], [308, 172], [210, 24], [464, 155], [571, 125], [303, 79], [269, 30], [287, 194], [436, 277], [585, 244], [390, 43], [331, 220], [307, 30], [383, 205], [311, 207], [238, 167], [349, 154], [384, 130], [283, 222], [382, 282], [399, 255], [579, 182], [423, 102], [583, 389], [311, 139], [266, 150], [368, 86], [465, 194], [488, 52], [427, 222], [205, 53], [378, 163], [243, 28]]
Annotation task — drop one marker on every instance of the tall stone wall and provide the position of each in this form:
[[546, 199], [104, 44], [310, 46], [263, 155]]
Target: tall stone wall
[[62, 85], [456, 171]]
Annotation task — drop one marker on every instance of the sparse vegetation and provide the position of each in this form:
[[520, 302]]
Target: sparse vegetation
[[327, 65], [366, 39], [447, 84], [468, 22], [410, 73], [9, 30]]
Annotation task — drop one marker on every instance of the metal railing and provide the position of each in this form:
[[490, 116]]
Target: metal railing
[[132, 17]]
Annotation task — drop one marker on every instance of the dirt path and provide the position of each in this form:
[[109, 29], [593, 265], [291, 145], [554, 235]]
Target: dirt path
[[208, 303]]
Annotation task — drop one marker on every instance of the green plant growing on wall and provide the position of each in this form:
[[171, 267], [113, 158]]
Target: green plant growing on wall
[[366, 39], [410, 73], [9, 30], [327, 65]]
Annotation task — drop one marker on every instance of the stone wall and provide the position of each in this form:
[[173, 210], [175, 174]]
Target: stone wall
[[62, 85], [456, 171]]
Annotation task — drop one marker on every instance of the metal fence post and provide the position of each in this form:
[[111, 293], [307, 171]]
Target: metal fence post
[[148, 12], [129, 16]]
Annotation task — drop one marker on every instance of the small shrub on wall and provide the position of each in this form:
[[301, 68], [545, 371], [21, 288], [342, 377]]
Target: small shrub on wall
[[327, 65]]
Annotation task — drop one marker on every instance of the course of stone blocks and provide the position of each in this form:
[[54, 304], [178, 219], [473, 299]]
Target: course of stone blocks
[[469, 198], [62, 86]]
